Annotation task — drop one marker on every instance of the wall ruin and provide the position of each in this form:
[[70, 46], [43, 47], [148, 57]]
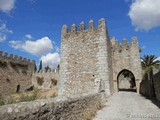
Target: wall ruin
[[45, 80], [15, 73]]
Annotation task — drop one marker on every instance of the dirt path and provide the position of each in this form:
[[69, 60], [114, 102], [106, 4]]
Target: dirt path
[[128, 106]]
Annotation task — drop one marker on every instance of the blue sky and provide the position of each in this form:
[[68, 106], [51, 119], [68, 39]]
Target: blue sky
[[32, 28]]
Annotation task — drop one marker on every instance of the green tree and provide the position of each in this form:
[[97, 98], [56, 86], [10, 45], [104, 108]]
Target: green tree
[[35, 68], [40, 65], [58, 67], [47, 68], [149, 62]]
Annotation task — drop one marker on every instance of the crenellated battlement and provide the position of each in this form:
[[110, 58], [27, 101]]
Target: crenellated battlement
[[124, 46], [82, 27], [15, 58]]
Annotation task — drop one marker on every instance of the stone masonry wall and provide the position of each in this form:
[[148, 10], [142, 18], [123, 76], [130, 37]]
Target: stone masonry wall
[[157, 84], [146, 87], [15, 73], [45, 80], [126, 56], [85, 65], [59, 108]]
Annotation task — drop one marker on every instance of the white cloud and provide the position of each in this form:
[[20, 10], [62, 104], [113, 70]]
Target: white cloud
[[3, 37], [3, 28], [143, 47], [39, 47], [145, 14], [7, 5], [51, 60], [28, 36], [56, 48], [158, 58], [4, 31]]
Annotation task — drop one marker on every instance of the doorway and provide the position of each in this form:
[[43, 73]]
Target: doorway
[[126, 81]]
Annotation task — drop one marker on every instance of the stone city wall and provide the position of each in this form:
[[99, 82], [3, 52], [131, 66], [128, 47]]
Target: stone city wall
[[15, 73], [45, 80], [157, 84], [146, 87], [59, 108], [85, 65]]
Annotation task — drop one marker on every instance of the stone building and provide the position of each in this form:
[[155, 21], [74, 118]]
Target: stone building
[[91, 62], [15, 73]]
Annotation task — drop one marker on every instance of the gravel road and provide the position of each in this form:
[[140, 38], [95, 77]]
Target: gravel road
[[128, 106]]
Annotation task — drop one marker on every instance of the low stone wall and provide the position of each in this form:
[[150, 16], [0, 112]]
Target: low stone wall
[[157, 85], [59, 108], [146, 88]]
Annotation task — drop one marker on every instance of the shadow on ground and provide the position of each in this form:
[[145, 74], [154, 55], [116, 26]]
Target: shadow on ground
[[154, 101], [128, 90]]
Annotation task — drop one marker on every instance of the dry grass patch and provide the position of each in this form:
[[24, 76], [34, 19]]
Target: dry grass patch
[[90, 114], [27, 96]]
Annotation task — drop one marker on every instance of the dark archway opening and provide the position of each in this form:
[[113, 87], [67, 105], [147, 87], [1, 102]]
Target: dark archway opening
[[18, 89], [126, 81]]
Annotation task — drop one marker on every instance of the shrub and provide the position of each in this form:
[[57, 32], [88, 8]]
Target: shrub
[[10, 100], [26, 97]]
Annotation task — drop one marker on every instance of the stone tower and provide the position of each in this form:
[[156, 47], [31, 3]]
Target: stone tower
[[86, 63]]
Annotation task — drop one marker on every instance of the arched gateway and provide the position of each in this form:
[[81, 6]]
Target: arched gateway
[[126, 81]]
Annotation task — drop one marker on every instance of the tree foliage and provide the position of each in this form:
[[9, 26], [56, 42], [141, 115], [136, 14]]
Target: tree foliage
[[35, 68], [47, 68], [40, 66], [149, 61]]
